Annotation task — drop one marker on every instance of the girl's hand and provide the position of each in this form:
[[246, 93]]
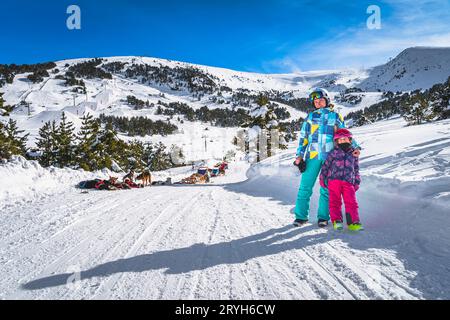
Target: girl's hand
[[297, 161], [356, 187], [356, 153]]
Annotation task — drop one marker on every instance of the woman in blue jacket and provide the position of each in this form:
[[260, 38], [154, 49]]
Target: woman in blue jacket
[[316, 141]]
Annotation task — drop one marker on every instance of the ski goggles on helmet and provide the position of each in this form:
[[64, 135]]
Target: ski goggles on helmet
[[316, 95]]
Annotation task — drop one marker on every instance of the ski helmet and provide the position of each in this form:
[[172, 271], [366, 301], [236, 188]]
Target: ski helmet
[[318, 93], [342, 133]]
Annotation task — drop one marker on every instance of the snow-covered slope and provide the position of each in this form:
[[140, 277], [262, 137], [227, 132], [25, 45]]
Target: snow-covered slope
[[414, 68], [51, 97], [232, 239], [26, 181]]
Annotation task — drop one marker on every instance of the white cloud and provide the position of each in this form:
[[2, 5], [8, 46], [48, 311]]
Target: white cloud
[[412, 24]]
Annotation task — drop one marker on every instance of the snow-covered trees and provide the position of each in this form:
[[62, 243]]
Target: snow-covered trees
[[394, 104], [350, 96], [47, 144], [262, 133], [135, 156], [217, 117], [110, 149], [88, 139], [38, 76], [4, 154], [439, 96], [177, 155], [97, 146], [71, 81], [418, 110], [157, 157], [191, 79], [17, 140], [65, 140], [12, 142], [136, 103], [8, 72], [430, 105], [139, 126], [416, 107], [90, 70], [56, 143], [5, 110], [104, 149]]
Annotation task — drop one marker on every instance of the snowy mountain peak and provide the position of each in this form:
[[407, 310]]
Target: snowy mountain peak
[[414, 68]]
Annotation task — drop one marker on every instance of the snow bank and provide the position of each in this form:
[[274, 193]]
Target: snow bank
[[26, 181], [411, 161]]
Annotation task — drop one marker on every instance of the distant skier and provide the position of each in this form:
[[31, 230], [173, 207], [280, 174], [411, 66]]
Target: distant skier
[[316, 141], [340, 175]]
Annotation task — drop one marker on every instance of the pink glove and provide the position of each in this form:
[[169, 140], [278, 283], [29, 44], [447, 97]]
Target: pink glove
[[356, 187], [322, 184]]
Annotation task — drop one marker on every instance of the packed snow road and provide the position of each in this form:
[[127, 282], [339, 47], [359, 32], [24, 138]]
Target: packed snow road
[[233, 239], [228, 241]]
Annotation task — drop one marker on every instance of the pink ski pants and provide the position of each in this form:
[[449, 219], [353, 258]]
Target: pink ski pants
[[342, 189]]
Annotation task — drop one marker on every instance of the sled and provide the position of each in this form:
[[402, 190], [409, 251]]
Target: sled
[[88, 184], [202, 171], [215, 172]]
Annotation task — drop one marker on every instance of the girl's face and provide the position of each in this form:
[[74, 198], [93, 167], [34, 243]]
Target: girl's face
[[320, 103], [343, 140]]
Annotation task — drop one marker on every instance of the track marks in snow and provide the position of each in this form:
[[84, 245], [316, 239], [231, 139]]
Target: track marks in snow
[[202, 242], [156, 229]]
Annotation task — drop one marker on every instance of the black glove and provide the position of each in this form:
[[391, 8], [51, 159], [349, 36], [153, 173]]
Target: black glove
[[301, 165]]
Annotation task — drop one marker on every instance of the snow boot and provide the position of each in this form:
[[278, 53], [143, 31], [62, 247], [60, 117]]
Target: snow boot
[[355, 227], [322, 223], [299, 222], [338, 225]]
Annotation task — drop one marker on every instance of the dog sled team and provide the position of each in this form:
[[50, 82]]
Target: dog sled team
[[144, 179], [204, 174], [129, 181]]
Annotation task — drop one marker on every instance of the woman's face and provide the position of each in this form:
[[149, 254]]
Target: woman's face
[[320, 103], [343, 140]]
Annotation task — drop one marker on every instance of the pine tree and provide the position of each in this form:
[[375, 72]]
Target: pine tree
[[4, 150], [264, 134], [110, 148], [135, 156], [158, 158], [14, 143], [439, 100], [88, 140], [47, 144], [262, 100], [65, 141], [418, 110]]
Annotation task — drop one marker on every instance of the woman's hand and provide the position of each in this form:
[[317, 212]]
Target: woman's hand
[[356, 153], [301, 164]]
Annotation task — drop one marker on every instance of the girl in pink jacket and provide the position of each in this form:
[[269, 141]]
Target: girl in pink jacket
[[340, 175]]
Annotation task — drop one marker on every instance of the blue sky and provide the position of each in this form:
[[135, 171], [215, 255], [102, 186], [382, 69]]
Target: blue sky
[[269, 36]]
